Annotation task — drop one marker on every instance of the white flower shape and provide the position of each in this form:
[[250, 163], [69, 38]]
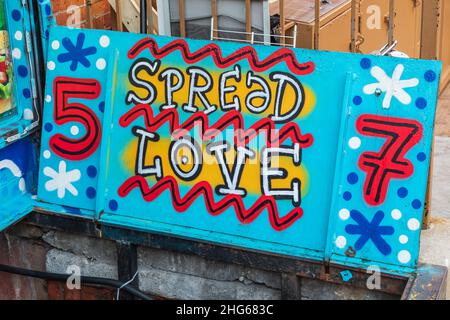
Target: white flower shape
[[62, 180], [394, 87]]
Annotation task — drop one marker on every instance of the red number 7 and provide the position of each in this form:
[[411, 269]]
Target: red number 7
[[389, 162], [65, 111]]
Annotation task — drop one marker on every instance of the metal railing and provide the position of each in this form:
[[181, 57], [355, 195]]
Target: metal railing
[[250, 36]]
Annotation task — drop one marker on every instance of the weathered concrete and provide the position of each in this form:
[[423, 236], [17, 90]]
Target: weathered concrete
[[181, 286], [91, 248], [197, 266], [182, 276], [435, 245], [58, 261], [443, 114], [435, 242], [440, 203], [316, 290], [95, 257]]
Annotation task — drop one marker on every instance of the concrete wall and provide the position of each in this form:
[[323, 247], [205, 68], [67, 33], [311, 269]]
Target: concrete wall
[[161, 273]]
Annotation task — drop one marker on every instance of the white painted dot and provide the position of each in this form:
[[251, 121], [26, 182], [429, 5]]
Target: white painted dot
[[354, 143], [104, 41], [28, 114], [344, 214], [22, 185], [74, 130], [413, 224], [396, 214], [101, 64], [404, 256], [48, 98], [18, 35], [403, 239], [341, 242], [184, 160], [47, 154], [51, 65], [16, 53], [55, 45]]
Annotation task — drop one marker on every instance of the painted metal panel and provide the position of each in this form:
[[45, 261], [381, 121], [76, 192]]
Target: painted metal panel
[[18, 162], [16, 43], [249, 146], [18, 112], [73, 115]]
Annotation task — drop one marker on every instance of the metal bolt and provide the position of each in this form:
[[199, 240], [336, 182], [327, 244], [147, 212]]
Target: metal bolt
[[378, 92]]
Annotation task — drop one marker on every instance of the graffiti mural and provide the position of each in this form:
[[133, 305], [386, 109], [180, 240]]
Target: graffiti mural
[[311, 154]]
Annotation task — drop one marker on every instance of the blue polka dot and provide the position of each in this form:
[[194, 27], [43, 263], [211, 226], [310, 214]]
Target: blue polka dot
[[366, 63], [101, 107], [26, 93], [48, 127], [48, 10], [91, 193], [430, 76], [421, 103], [352, 178], [402, 192], [421, 157], [23, 71], [16, 15], [357, 100], [113, 205], [92, 171], [347, 196], [416, 204]]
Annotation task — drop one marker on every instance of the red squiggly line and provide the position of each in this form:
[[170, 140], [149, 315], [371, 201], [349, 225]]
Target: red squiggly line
[[232, 118], [212, 49], [214, 208]]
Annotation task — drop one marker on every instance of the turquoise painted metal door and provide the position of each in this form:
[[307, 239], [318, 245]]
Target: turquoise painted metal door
[[19, 106]]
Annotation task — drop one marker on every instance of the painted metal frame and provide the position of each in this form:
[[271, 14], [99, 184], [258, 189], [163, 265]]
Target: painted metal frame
[[27, 117]]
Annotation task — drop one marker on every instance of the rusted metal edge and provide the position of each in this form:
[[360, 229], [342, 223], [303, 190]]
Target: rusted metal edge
[[430, 283]]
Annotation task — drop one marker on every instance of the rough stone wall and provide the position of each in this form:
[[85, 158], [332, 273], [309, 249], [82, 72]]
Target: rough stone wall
[[161, 273]]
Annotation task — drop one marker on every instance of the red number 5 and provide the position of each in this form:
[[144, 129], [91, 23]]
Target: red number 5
[[65, 111]]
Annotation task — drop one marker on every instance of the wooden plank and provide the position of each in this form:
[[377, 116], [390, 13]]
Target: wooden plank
[[316, 24], [150, 20], [89, 20], [182, 10], [282, 21], [353, 24], [119, 15], [214, 15], [391, 22], [248, 18]]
